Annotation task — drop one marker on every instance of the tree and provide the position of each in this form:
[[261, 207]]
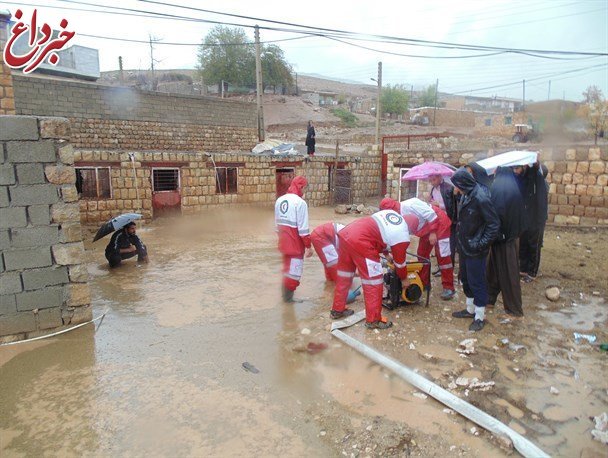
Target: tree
[[394, 100], [275, 69], [595, 109], [427, 99], [228, 54]]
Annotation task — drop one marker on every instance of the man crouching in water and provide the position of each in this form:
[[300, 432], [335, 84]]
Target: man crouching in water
[[125, 244]]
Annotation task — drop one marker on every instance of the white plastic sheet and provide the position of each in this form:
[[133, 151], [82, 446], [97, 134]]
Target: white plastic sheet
[[509, 159]]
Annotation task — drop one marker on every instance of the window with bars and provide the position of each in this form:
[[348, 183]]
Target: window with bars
[[165, 180], [226, 180], [93, 182]]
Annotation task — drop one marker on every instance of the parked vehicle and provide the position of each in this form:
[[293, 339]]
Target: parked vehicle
[[525, 133]]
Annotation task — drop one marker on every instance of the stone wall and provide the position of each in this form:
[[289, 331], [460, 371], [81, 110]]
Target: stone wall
[[256, 180], [500, 125], [107, 117], [43, 279], [578, 179]]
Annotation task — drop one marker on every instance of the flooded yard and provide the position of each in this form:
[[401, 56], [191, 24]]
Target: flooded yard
[[163, 375]]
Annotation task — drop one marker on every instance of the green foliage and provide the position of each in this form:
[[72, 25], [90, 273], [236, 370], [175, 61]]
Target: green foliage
[[227, 54], [394, 100], [427, 99], [174, 76], [349, 119], [341, 99]]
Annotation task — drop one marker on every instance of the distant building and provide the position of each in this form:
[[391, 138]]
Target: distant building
[[321, 98], [491, 104]]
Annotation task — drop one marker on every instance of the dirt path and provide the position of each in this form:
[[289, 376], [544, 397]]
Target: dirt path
[[163, 374]]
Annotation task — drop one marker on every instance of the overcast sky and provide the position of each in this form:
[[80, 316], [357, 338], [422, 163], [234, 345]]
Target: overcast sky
[[532, 24]]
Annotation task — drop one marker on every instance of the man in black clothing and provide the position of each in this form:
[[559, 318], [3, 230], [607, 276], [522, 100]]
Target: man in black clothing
[[503, 263], [478, 226], [310, 139], [535, 193], [125, 244]]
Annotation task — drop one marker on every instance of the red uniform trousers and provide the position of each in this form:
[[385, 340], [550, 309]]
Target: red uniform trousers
[[372, 282], [327, 254], [292, 271], [442, 252]]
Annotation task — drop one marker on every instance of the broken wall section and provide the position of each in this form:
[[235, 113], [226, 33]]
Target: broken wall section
[[43, 278]]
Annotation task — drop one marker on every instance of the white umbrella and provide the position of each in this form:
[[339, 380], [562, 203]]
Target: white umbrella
[[509, 159]]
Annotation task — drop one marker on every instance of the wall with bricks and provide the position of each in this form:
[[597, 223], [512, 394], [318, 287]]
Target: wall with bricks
[[107, 117], [578, 178], [257, 175], [7, 99], [43, 279]]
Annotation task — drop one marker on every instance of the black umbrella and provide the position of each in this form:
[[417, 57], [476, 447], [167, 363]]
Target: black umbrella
[[115, 223]]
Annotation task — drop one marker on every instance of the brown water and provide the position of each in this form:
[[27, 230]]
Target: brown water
[[162, 375]]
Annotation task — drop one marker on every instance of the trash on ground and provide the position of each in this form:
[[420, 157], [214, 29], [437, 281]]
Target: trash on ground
[[276, 147], [553, 390], [462, 381], [251, 368], [467, 346], [588, 337], [314, 348], [305, 331], [600, 432], [420, 395]]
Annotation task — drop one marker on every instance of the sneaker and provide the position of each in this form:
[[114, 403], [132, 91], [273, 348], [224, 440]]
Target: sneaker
[[382, 323], [335, 315], [463, 314], [477, 325], [527, 278], [447, 294]]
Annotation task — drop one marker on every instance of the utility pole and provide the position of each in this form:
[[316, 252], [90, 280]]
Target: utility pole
[[378, 108], [436, 95], [152, 40], [121, 75], [524, 97], [549, 93], [259, 85], [335, 172], [411, 93], [297, 91]]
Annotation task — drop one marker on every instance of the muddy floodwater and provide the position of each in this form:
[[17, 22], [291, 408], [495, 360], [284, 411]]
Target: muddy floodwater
[[163, 374]]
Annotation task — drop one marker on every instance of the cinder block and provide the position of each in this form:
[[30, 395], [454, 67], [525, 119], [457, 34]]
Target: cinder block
[[35, 236], [30, 173], [34, 194], [40, 299], [49, 318], [40, 151], [5, 241], [4, 202], [7, 174], [18, 128], [40, 215], [17, 323], [10, 283], [12, 217], [8, 304], [41, 278], [28, 258]]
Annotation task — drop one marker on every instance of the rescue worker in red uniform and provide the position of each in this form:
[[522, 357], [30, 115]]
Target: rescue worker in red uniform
[[291, 221], [433, 226], [360, 245], [324, 240]]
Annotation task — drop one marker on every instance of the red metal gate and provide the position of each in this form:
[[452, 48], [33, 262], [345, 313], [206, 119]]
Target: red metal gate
[[166, 196], [284, 177]]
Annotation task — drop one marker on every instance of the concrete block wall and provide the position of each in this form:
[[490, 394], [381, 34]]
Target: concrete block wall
[[107, 117], [43, 279]]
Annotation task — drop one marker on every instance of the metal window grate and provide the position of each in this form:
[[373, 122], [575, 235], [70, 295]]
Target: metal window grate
[[165, 180]]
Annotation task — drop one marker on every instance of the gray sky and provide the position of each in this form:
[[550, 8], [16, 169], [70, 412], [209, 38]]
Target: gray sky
[[567, 25]]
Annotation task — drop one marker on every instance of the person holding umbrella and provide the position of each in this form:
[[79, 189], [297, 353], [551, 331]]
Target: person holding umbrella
[[125, 244]]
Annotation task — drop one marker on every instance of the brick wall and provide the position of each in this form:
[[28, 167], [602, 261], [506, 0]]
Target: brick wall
[[43, 279], [107, 117], [256, 180], [7, 100], [500, 125]]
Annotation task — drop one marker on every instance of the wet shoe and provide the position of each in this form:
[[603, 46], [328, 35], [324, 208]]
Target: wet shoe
[[447, 294], [383, 323], [287, 295], [477, 325], [463, 314], [527, 278], [335, 315]]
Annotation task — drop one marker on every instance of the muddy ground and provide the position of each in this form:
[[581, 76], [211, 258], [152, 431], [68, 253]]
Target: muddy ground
[[163, 373]]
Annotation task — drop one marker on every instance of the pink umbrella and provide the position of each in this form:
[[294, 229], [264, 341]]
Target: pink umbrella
[[426, 169]]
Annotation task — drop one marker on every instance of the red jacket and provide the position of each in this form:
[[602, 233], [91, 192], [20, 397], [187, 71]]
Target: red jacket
[[291, 219], [327, 233], [372, 235]]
